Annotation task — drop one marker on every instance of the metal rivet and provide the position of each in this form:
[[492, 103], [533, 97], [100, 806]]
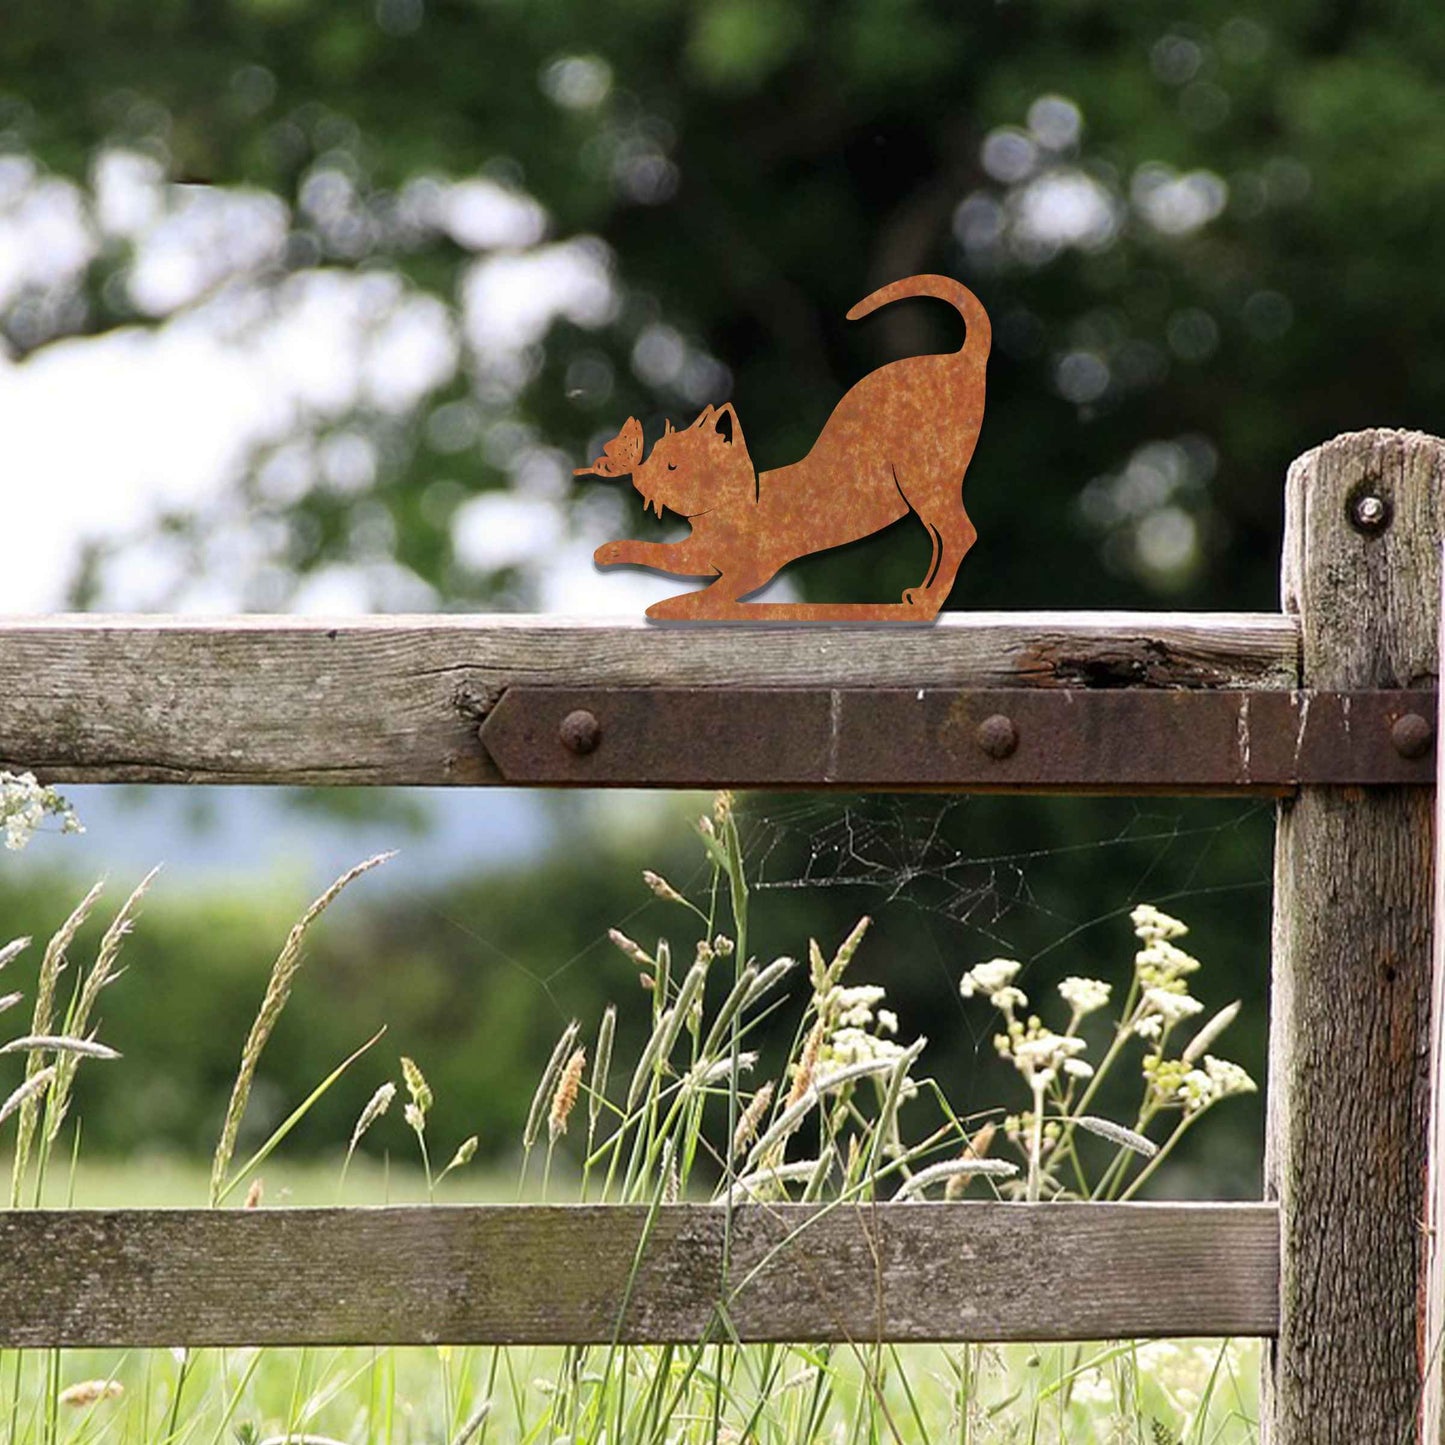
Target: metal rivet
[[1411, 735], [580, 732], [997, 736], [1369, 513]]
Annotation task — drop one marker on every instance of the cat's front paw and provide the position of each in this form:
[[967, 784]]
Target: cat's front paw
[[609, 554], [684, 605]]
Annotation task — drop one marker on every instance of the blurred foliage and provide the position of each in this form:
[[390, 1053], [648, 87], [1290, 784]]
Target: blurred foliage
[[477, 979], [1217, 240]]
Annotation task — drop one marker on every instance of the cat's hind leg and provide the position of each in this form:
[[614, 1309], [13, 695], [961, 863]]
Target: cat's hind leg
[[952, 534]]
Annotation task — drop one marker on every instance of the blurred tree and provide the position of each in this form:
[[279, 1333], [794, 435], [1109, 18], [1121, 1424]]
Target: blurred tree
[[1207, 243]]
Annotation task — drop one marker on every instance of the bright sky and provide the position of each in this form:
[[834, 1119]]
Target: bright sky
[[98, 436]]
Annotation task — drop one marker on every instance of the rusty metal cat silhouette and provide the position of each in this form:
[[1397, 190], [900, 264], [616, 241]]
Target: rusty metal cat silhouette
[[899, 441]]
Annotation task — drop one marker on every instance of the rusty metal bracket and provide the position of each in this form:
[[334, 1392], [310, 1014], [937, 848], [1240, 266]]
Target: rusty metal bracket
[[977, 740]]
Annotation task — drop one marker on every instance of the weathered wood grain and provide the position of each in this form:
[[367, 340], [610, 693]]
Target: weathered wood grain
[[1348, 1089], [545, 1274], [396, 700], [1432, 1405]]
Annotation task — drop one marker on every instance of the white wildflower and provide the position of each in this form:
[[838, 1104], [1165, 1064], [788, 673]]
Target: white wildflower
[[1228, 1077], [887, 1021], [988, 978], [1218, 1079], [857, 1046], [1009, 998], [1170, 1006], [855, 1049], [1160, 962], [24, 806], [853, 1007], [704, 1074], [1084, 995], [1150, 924], [1039, 1053], [1196, 1091], [1148, 1026], [1078, 1069]]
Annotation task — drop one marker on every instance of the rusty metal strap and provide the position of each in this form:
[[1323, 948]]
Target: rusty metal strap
[[1034, 739]]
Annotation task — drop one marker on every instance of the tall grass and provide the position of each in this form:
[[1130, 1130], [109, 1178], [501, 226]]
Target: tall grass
[[852, 1115]]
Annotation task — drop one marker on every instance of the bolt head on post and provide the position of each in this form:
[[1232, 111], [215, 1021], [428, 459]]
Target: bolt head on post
[[998, 736], [1411, 735], [580, 732], [1369, 513]]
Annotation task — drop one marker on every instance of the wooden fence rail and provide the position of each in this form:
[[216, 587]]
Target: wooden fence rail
[[1332, 704], [535, 1274], [394, 700]]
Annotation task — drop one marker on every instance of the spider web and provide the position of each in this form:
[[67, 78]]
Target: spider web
[[1060, 880], [903, 848]]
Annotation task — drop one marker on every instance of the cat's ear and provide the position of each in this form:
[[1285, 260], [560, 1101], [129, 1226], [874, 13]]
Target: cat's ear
[[726, 424], [703, 418]]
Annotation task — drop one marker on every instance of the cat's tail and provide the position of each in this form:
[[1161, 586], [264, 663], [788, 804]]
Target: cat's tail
[[941, 288]]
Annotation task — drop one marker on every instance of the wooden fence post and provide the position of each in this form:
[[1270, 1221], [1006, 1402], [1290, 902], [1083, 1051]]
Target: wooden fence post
[[1432, 1412], [1349, 1033]]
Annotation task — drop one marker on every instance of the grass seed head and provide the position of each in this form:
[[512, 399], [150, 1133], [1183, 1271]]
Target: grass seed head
[[542, 1097], [376, 1106], [466, 1152], [633, 950], [28, 1093], [807, 1064], [416, 1085], [661, 887], [601, 1063], [564, 1100], [278, 991], [13, 949], [751, 1118]]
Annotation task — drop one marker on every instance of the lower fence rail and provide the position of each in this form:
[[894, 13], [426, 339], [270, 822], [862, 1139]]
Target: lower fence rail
[[584, 1274]]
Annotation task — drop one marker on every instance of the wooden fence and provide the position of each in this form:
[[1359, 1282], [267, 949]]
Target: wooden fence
[[1330, 705]]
